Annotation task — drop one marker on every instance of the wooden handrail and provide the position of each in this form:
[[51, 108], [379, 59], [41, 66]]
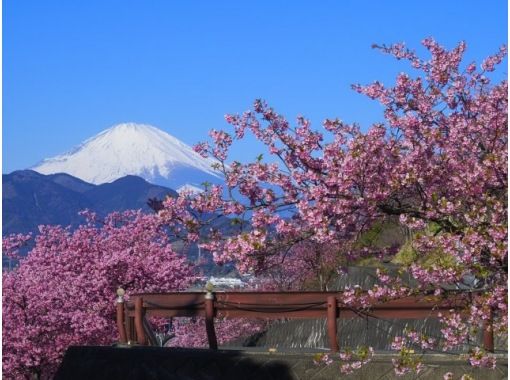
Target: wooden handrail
[[280, 305]]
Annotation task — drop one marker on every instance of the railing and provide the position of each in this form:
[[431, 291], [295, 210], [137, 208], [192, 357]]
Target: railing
[[133, 325]]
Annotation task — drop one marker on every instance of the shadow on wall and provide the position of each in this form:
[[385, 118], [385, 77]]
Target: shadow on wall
[[152, 363]]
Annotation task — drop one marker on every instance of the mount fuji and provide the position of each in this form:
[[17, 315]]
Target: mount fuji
[[135, 149]]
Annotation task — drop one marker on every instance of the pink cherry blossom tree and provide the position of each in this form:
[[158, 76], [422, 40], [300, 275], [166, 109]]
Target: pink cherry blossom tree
[[438, 162], [63, 292], [191, 332], [306, 265]]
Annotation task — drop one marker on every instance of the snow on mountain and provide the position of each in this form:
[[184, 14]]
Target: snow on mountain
[[134, 149], [190, 189]]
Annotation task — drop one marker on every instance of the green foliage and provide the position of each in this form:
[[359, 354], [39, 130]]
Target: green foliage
[[383, 233], [370, 237], [406, 255]]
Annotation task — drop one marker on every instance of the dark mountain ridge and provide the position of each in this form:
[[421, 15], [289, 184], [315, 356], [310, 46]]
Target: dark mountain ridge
[[31, 199]]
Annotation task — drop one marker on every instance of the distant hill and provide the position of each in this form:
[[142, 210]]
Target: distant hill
[[30, 198]]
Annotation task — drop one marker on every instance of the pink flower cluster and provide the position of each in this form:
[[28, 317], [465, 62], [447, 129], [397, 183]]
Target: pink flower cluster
[[350, 360], [438, 163], [63, 292]]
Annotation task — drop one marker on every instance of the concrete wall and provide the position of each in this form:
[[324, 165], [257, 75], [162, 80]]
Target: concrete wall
[[192, 364]]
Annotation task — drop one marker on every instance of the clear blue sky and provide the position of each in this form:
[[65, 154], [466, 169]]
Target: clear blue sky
[[74, 68]]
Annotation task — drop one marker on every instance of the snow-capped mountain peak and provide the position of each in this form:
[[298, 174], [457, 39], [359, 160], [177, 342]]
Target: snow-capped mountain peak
[[136, 149], [191, 189]]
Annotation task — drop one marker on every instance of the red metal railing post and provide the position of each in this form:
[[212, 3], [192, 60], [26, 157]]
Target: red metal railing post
[[129, 326], [139, 321], [120, 315], [488, 334], [209, 320], [332, 314]]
